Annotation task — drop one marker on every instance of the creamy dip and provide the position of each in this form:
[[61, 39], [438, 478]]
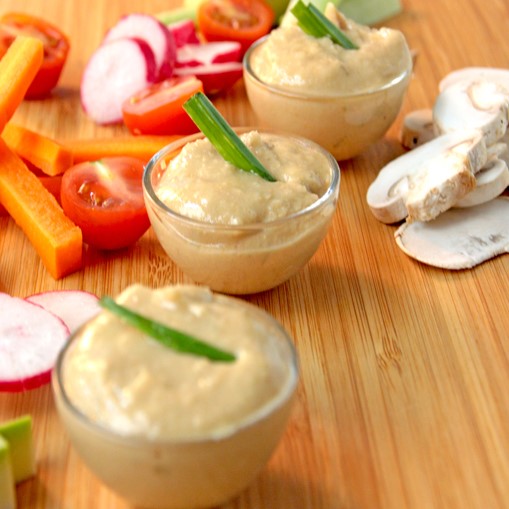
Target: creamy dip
[[231, 230], [292, 60], [200, 184], [128, 382], [342, 99]]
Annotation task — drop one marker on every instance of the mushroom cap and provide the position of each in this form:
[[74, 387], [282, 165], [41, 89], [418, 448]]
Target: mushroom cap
[[418, 128], [494, 74], [473, 104], [459, 238], [388, 194], [491, 182]]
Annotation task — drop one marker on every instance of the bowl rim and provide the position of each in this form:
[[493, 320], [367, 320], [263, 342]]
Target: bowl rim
[[327, 196], [321, 97], [284, 395]]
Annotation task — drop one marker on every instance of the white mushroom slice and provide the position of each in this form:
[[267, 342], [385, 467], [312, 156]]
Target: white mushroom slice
[[479, 104], [440, 167], [494, 74], [418, 128], [501, 148], [491, 182], [459, 238]]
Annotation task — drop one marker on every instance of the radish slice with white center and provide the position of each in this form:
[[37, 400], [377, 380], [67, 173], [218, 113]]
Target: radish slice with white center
[[154, 33], [115, 71], [73, 307], [209, 53], [184, 32], [216, 78], [30, 340]]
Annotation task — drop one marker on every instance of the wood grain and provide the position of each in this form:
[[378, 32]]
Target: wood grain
[[403, 401]]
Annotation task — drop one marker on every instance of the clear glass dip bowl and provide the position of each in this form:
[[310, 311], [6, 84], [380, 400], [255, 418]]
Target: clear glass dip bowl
[[188, 473], [344, 125], [239, 259]]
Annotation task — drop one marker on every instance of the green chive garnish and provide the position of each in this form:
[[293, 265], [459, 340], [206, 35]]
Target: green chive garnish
[[177, 340], [212, 124], [314, 23]]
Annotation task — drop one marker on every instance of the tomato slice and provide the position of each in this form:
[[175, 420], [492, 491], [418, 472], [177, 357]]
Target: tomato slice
[[56, 48], [244, 21], [105, 199], [158, 108]]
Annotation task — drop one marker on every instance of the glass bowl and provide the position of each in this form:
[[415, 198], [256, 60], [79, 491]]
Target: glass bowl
[[239, 259], [161, 470], [344, 125]]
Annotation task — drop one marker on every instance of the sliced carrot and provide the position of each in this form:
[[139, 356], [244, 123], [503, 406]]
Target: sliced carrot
[[50, 157], [57, 240], [52, 184], [142, 147], [18, 68]]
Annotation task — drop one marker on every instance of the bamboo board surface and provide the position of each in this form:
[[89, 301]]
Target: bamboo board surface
[[403, 401]]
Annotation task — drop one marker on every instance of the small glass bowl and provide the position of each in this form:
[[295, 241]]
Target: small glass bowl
[[344, 125], [190, 473], [239, 259]]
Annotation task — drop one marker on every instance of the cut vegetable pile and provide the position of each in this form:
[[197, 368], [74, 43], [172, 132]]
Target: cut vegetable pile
[[144, 71], [448, 187]]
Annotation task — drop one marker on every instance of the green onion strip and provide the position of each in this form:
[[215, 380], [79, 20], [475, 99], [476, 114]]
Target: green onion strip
[[314, 23], [174, 339], [212, 124]]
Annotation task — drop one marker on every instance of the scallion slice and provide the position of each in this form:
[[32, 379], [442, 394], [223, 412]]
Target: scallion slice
[[225, 140], [314, 23], [177, 340]]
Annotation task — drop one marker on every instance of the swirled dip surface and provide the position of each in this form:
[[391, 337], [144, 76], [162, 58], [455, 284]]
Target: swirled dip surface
[[295, 61], [200, 184], [129, 382]]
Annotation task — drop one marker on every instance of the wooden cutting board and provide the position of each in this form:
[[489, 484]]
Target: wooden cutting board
[[403, 401]]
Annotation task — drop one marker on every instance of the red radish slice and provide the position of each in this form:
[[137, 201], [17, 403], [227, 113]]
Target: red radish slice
[[216, 78], [30, 339], [184, 32], [154, 33], [73, 307], [115, 71], [209, 53]]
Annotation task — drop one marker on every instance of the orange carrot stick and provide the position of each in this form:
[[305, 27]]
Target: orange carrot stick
[[18, 67], [143, 147], [52, 184], [57, 240], [44, 153]]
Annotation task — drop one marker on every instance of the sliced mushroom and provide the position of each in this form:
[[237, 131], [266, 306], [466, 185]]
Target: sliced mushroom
[[501, 148], [459, 238], [494, 74], [418, 128], [428, 179], [479, 104], [491, 182]]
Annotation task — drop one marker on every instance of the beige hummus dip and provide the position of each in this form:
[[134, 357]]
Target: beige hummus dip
[[293, 60], [130, 383], [201, 185], [231, 230]]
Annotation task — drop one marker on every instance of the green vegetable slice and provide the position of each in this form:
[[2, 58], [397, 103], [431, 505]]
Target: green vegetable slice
[[316, 24], [174, 339], [225, 140]]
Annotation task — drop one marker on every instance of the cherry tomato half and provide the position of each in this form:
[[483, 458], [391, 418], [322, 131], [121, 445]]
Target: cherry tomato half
[[244, 21], [56, 48], [158, 108], [105, 199]]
